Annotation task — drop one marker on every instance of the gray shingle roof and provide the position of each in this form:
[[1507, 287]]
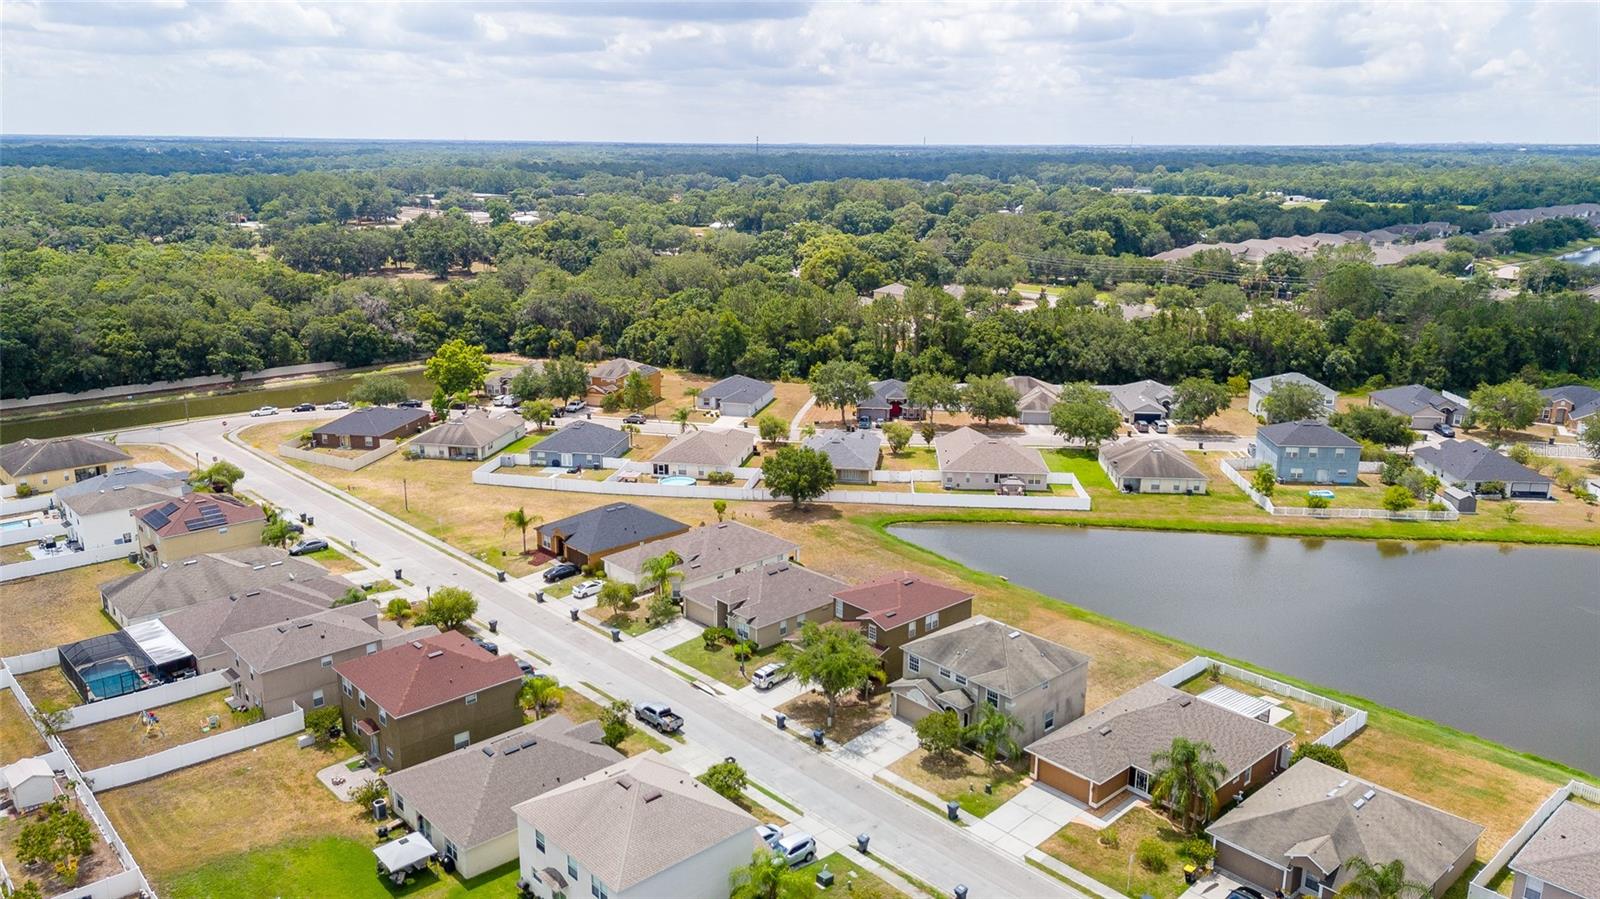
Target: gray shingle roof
[[156, 475], [709, 549], [737, 389], [610, 526], [203, 626], [120, 497], [1565, 851], [373, 421], [617, 369], [1266, 384], [207, 576], [770, 593], [1581, 396], [626, 823], [1128, 730], [301, 639], [1144, 397], [724, 448], [585, 437], [468, 794], [1311, 811], [996, 655], [1150, 459], [1413, 398], [30, 456], [848, 450], [884, 392], [475, 429], [1304, 433], [1469, 460], [966, 449]]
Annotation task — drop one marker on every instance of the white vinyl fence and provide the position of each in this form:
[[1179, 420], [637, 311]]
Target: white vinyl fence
[[1349, 719], [1479, 887], [62, 562], [123, 883], [229, 741], [132, 703], [35, 503], [37, 530], [1230, 470], [343, 463], [29, 662]]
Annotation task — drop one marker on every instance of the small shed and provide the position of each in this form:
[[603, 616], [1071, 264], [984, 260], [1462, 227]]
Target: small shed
[[31, 783], [1460, 500]]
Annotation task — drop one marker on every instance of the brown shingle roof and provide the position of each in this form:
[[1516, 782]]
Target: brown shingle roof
[[709, 549], [424, 673], [967, 449], [30, 456], [897, 598], [197, 512], [769, 593]]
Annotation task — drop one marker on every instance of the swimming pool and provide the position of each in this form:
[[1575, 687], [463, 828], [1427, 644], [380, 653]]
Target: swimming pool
[[677, 480], [113, 677], [18, 523], [1325, 494]]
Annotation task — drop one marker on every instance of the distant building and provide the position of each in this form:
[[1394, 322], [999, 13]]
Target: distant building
[[1261, 387], [735, 395], [44, 465]]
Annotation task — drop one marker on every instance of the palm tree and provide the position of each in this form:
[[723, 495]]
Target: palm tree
[[1186, 779], [994, 733], [681, 416], [541, 694], [1369, 881], [659, 572], [768, 876], [520, 519]]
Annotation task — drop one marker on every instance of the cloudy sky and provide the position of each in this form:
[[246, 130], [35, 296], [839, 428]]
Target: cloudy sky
[[1028, 73]]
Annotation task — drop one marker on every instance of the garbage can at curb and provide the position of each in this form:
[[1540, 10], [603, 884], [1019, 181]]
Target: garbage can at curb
[[616, 635], [573, 613], [861, 843], [816, 735], [952, 810], [961, 891], [783, 721], [397, 575], [494, 625], [538, 596], [501, 575]]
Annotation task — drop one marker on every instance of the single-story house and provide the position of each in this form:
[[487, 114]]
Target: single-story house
[[699, 453], [1151, 466], [186, 526], [609, 376], [1145, 400], [588, 537], [1469, 465], [981, 660], [706, 554], [888, 403], [1296, 834], [735, 395], [472, 437], [1308, 452], [96, 511], [1561, 860], [854, 454], [461, 801], [971, 460], [765, 604], [1034, 399], [1424, 406], [896, 608], [898, 290], [366, 429], [639, 829], [146, 594], [30, 782], [1563, 404], [44, 465], [581, 444], [1260, 387], [1108, 751], [202, 627]]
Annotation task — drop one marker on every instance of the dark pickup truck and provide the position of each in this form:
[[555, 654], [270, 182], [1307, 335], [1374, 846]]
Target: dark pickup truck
[[659, 716]]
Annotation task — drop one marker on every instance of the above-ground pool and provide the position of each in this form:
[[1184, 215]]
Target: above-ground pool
[[677, 480], [1325, 494]]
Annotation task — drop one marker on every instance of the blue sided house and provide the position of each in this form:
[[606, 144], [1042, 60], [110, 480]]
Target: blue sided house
[[1308, 452]]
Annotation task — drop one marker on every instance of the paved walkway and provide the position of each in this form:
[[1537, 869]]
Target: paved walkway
[[347, 780]]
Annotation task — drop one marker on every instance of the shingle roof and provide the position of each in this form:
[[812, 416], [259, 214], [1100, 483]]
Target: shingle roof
[[896, 598], [468, 794], [617, 369], [1413, 398], [1149, 459], [421, 674], [626, 823], [1128, 730], [197, 512], [1565, 851], [207, 576], [709, 548], [610, 526], [29, 456], [373, 421], [996, 655], [585, 437], [966, 449], [1266, 384], [726, 448], [120, 498], [291, 642], [160, 477], [1312, 810], [474, 429], [1144, 397], [203, 626], [1585, 400], [1038, 399], [885, 391], [737, 389], [1469, 460], [1304, 433], [848, 450], [769, 593]]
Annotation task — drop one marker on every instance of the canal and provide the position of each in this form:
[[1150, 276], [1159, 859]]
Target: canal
[[1501, 641]]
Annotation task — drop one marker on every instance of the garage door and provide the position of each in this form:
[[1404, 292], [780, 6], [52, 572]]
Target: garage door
[[1065, 781]]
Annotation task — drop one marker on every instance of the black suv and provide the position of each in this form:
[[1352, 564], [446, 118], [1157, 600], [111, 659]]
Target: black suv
[[561, 572]]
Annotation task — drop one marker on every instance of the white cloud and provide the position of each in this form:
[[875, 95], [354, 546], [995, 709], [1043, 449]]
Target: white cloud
[[951, 72]]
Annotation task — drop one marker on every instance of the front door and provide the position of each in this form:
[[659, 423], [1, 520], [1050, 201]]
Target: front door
[[372, 747], [1140, 782], [1322, 476]]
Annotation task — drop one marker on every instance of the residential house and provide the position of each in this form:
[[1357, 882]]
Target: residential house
[[44, 465], [1034, 399], [1574, 402], [462, 801], [1561, 860], [1145, 400], [971, 460], [854, 454], [425, 697], [1425, 407], [203, 627], [581, 444], [1308, 452], [1470, 465], [706, 554], [982, 661], [1151, 466], [735, 395], [472, 437], [588, 537], [147, 594], [888, 403], [1260, 387], [96, 511], [366, 429], [290, 663], [766, 604], [30, 783], [186, 526], [609, 376], [1108, 752], [898, 290], [500, 384], [697, 454], [620, 833], [1297, 834], [895, 609]]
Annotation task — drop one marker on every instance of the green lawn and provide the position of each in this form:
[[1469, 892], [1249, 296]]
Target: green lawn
[[335, 561], [328, 866], [1080, 462], [521, 446], [718, 663], [850, 879]]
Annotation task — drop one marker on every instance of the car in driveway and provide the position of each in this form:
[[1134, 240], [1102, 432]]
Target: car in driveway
[[634, 419], [305, 407], [769, 834], [769, 675], [1244, 893], [587, 589], [410, 404], [1142, 427], [337, 404], [577, 406], [308, 546], [489, 647], [797, 848], [1161, 426], [264, 411], [1444, 430], [526, 667], [560, 572]]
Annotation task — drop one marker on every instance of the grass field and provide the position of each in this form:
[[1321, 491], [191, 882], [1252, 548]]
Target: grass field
[[335, 561], [52, 609], [719, 663], [125, 738], [1080, 462], [850, 879], [522, 444], [1082, 848], [101, 861], [19, 739], [47, 686], [960, 778], [911, 458], [328, 866]]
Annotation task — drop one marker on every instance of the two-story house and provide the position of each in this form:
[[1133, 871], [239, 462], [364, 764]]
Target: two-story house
[[1261, 388], [96, 510], [765, 604], [982, 661], [187, 526], [291, 663], [425, 697], [609, 376], [1308, 452], [896, 609], [707, 553], [203, 627]]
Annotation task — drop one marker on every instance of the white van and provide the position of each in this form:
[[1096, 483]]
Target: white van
[[769, 675]]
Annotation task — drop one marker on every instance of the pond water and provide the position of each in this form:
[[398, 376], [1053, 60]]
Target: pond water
[[1587, 256], [1500, 641]]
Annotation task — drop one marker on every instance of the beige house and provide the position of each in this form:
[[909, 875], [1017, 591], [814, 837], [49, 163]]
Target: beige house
[[971, 460], [1151, 466], [983, 661], [1562, 858], [855, 454], [471, 437], [706, 554], [291, 663], [765, 604], [44, 465], [188, 526], [609, 376], [203, 627], [700, 453]]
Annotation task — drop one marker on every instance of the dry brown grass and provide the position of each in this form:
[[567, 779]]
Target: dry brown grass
[[1308, 723], [49, 686], [101, 862], [52, 609], [961, 777], [143, 452], [19, 739], [125, 738], [853, 718]]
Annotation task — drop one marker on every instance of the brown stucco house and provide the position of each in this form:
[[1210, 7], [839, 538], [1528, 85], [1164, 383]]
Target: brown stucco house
[[425, 697], [608, 376], [279, 666], [896, 609], [187, 526], [44, 465], [203, 627], [366, 429], [766, 604], [588, 537]]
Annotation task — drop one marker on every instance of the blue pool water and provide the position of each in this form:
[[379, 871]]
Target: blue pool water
[[677, 480], [17, 523], [110, 678]]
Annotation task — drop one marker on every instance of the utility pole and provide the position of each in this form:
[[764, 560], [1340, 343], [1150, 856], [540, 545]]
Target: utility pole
[[405, 494]]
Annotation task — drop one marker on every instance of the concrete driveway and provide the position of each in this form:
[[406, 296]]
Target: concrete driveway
[[1034, 814], [879, 747]]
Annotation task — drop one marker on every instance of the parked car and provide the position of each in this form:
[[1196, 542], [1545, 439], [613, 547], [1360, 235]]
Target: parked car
[[337, 404], [410, 404], [634, 419], [1142, 427], [308, 546], [587, 589], [658, 715], [491, 648], [576, 469], [769, 675], [769, 834], [505, 400], [577, 406], [525, 666], [1244, 893], [305, 407], [1444, 430], [560, 572], [797, 848], [1161, 426], [263, 411]]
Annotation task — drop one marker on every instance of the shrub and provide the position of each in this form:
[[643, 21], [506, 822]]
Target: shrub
[[940, 733], [324, 724], [363, 795], [1152, 854], [1108, 838], [24, 491], [1264, 480], [1318, 502], [1317, 752], [1197, 852], [1398, 499], [1492, 488], [720, 477], [727, 779]]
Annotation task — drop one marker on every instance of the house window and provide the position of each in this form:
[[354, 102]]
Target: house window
[[992, 698], [1338, 453], [913, 664], [472, 699], [327, 661], [1049, 718], [399, 802], [1311, 452], [538, 841], [462, 739], [911, 629], [1533, 889], [1155, 485], [572, 867], [931, 622], [944, 672], [252, 672], [1344, 472], [1309, 882], [872, 632], [346, 685], [597, 889], [961, 680], [1292, 452], [390, 753], [372, 648], [838, 609], [383, 717], [1246, 781], [317, 701], [783, 627], [361, 698]]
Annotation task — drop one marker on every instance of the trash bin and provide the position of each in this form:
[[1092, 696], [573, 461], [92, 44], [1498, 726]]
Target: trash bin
[[616, 635], [1189, 874], [861, 843], [500, 576], [816, 735], [538, 596], [311, 521], [573, 613], [782, 719], [961, 891], [952, 810], [494, 625], [397, 575]]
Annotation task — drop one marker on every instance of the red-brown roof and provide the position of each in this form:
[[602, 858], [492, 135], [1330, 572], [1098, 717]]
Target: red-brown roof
[[197, 512], [897, 598], [428, 672]]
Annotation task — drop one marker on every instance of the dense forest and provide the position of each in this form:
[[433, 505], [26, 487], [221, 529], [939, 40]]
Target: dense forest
[[134, 260]]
